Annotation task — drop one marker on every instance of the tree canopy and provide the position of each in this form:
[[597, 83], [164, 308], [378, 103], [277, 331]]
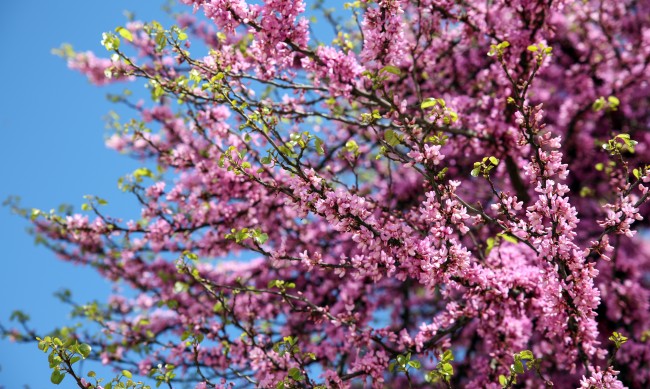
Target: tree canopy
[[445, 194]]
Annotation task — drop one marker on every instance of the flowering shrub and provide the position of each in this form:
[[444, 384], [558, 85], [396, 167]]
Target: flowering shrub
[[445, 194]]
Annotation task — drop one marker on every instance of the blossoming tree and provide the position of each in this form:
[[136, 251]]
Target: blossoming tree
[[444, 195]]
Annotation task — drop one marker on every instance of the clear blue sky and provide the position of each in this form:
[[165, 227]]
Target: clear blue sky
[[52, 152]]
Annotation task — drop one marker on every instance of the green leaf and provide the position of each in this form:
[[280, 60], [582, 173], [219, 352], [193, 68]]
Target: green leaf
[[294, 373], [511, 239], [319, 146], [519, 367], [84, 350], [391, 138], [142, 172], [161, 42], [18, 315], [415, 364], [391, 69], [127, 374], [428, 103], [180, 287], [526, 355], [195, 75], [431, 376], [54, 359], [261, 238], [618, 339], [503, 380], [35, 213], [494, 161], [533, 48], [447, 356], [598, 104], [124, 33], [489, 243], [56, 377], [351, 146], [110, 41]]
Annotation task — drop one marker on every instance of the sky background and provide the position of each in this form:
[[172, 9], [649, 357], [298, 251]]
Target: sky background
[[53, 152]]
